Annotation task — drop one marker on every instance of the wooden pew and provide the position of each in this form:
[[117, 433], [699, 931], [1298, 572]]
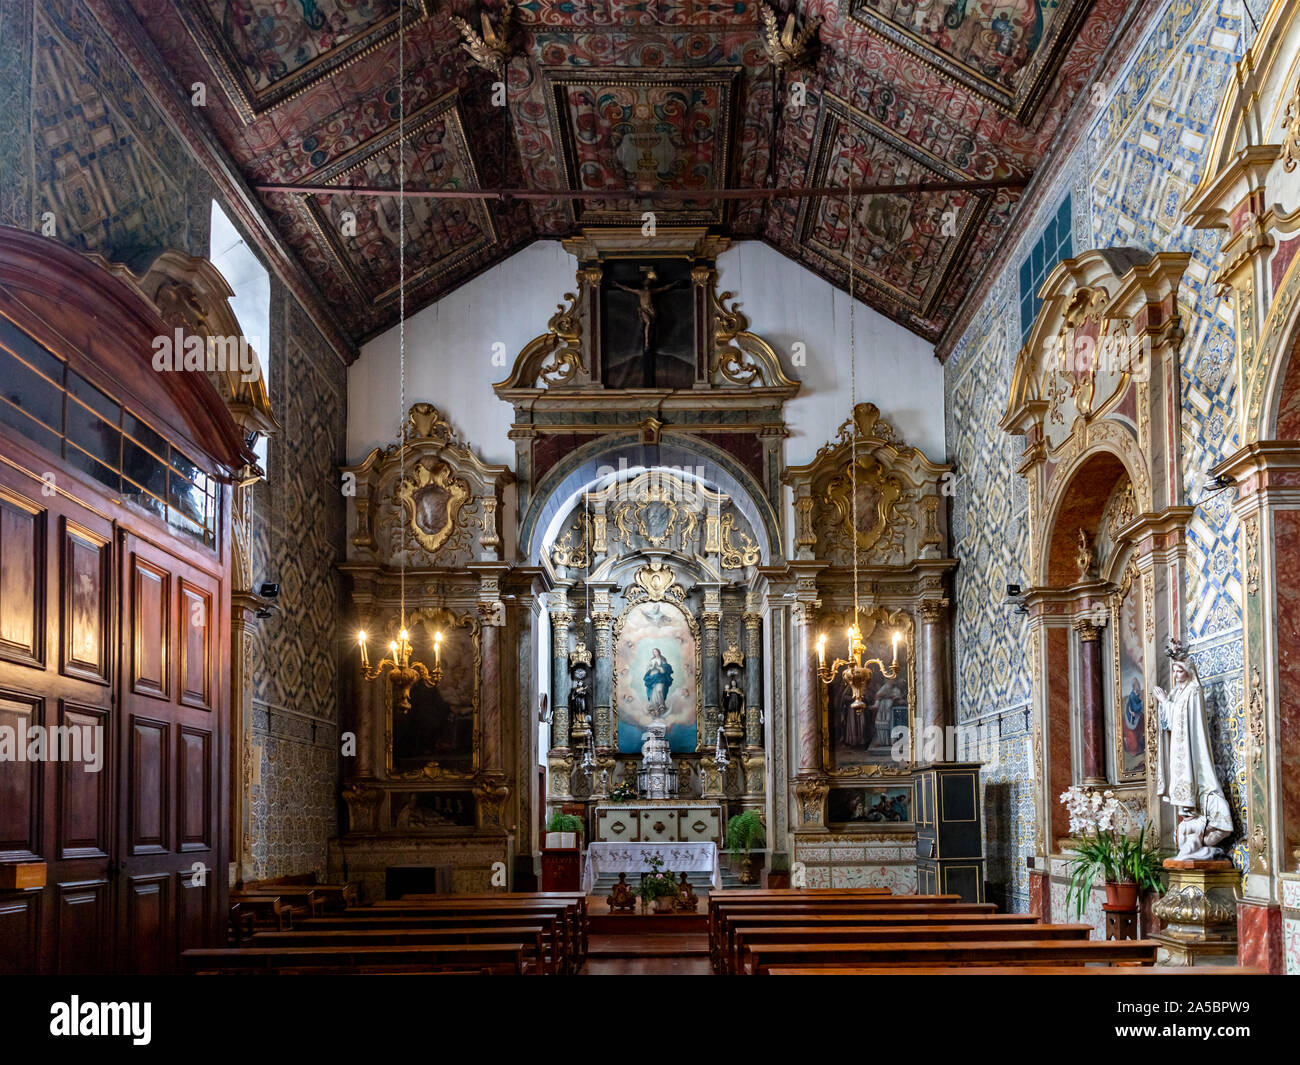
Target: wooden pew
[[948, 954], [747, 938], [577, 897], [335, 896], [1021, 970], [736, 922], [559, 957], [266, 910], [380, 937], [508, 957], [721, 909], [569, 911]]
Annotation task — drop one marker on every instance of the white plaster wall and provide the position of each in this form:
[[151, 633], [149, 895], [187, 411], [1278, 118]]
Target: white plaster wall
[[896, 370], [449, 353]]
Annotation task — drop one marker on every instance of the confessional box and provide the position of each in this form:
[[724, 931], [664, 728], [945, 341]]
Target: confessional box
[[949, 831]]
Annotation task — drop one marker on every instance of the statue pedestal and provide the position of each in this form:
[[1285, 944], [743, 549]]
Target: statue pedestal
[[1200, 913]]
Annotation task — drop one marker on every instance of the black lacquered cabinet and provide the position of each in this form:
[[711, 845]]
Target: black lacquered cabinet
[[949, 832]]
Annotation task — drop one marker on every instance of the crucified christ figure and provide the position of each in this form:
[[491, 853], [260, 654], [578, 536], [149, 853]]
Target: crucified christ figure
[[645, 310]]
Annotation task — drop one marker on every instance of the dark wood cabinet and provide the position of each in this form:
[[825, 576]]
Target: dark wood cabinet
[[949, 831]]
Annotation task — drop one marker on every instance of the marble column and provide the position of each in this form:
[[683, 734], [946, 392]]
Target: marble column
[[243, 626], [602, 623], [935, 711], [753, 678], [710, 622], [560, 622], [493, 617], [808, 686], [1092, 703]]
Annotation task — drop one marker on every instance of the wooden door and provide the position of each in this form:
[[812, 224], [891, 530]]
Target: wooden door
[[57, 653], [172, 864]]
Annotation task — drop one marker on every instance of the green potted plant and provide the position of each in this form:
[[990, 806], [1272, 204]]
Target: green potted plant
[[657, 888], [743, 831], [563, 831], [1105, 845]]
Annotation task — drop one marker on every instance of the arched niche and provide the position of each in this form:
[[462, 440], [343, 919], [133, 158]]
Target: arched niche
[[591, 467], [1095, 394]]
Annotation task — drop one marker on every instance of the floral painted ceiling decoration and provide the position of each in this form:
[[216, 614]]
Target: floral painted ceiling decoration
[[638, 96]]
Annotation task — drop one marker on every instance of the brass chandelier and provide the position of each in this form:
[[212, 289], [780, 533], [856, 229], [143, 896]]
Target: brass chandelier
[[403, 672], [856, 669]]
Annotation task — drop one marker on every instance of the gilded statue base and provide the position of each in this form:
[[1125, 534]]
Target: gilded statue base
[[1200, 913]]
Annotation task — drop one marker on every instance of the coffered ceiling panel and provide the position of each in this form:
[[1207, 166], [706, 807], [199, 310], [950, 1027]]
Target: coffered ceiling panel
[[640, 96]]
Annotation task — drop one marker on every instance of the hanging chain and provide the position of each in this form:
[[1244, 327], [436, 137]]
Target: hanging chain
[[401, 281], [853, 393]]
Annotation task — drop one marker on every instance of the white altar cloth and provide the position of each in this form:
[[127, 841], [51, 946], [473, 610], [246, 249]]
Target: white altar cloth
[[630, 858]]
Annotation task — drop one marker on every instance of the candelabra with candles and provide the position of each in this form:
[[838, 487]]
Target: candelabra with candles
[[856, 668], [403, 673]]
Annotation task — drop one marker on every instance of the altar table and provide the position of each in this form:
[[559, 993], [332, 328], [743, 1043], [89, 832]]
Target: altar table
[[630, 858]]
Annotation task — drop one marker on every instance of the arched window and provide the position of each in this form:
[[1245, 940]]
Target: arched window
[[251, 284]]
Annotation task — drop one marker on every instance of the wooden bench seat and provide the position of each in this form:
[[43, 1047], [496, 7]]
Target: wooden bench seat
[[500, 957], [729, 959], [747, 938], [950, 954], [568, 912], [559, 955], [380, 937]]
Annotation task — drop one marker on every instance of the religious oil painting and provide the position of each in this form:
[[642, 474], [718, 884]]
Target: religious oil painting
[[649, 324], [1130, 698], [435, 737], [866, 734], [656, 676], [432, 809], [869, 805]]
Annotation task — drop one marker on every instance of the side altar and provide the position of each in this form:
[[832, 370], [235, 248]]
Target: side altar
[[658, 821]]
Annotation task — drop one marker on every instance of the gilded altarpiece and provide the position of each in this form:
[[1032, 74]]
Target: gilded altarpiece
[[431, 784], [888, 573]]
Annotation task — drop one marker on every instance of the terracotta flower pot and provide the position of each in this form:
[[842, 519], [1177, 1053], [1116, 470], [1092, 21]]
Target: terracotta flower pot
[[664, 904], [1122, 896]]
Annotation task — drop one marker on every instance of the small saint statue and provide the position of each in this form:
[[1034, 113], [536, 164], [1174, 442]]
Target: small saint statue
[[579, 700], [733, 699], [1185, 776], [622, 898]]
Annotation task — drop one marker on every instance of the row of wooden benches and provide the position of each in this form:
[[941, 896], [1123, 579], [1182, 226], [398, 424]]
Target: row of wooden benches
[[869, 930], [535, 933]]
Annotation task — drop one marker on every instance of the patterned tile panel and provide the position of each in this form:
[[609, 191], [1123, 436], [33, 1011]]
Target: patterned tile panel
[[1128, 178]]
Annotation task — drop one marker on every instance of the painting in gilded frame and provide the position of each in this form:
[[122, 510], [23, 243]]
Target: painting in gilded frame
[[438, 736], [855, 740], [1130, 680], [656, 676], [870, 805]]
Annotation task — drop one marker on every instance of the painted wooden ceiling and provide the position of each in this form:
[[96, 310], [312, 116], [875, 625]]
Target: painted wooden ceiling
[[619, 94]]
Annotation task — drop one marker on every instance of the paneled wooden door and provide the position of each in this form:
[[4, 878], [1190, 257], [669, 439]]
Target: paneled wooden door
[[170, 768]]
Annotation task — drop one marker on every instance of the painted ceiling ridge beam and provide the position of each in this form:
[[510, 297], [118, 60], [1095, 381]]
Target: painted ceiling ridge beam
[[669, 194], [123, 28]]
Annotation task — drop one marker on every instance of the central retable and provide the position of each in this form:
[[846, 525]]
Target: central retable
[[630, 858]]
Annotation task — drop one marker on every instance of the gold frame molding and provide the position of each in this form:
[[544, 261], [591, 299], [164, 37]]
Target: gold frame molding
[[437, 474], [429, 619], [903, 618], [650, 583]]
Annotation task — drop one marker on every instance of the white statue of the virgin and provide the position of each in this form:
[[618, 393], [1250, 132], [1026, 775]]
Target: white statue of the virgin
[[1185, 776]]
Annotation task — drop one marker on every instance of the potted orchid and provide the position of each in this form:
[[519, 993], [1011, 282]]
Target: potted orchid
[[1105, 844]]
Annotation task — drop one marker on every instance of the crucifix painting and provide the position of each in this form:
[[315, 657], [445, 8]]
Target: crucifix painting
[[649, 319]]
